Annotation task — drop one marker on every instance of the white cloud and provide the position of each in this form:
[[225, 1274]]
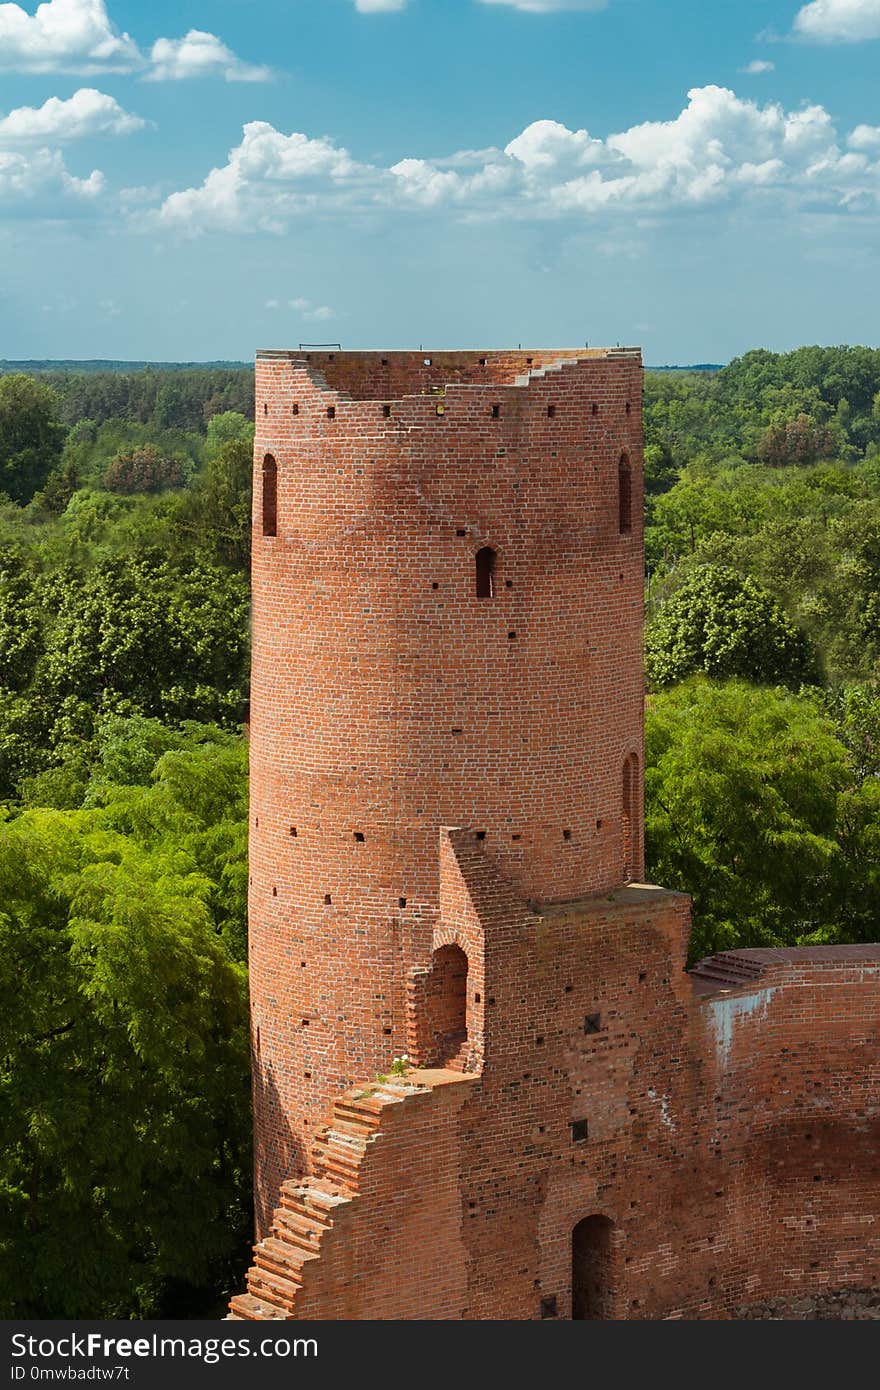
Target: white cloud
[[39, 183], [64, 35], [719, 149], [78, 36], [199, 54], [549, 6], [313, 313], [379, 6], [839, 21], [865, 137], [86, 113], [549, 145], [293, 171], [758, 66]]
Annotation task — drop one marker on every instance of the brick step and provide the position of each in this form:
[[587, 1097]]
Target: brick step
[[365, 1111], [746, 965], [299, 1231], [312, 1201], [390, 1090], [245, 1307], [354, 1125], [273, 1288], [725, 970], [308, 1207], [719, 972], [327, 1159], [459, 1061], [343, 1178], [286, 1257], [349, 1148]]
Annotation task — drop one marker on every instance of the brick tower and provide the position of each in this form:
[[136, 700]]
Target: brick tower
[[446, 811]]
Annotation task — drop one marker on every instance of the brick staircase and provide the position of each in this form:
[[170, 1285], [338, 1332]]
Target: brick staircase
[[726, 970], [308, 1209]]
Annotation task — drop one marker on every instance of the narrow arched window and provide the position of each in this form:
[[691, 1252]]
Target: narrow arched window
[[270, 496], [486, 572], [624, 495], [630, 819]]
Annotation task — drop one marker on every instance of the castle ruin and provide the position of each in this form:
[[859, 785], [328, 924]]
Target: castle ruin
[[447, 768]]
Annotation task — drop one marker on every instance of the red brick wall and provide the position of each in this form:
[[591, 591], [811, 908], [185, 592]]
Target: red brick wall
[[388, 700], [732, 1137]]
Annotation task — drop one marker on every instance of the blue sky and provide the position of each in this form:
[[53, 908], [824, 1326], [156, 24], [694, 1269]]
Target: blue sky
[[196, 180]]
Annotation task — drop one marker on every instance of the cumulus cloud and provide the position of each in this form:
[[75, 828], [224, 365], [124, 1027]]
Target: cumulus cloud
[[718, 149], [34, 178], [758, 66], [268, 177], [78, 36], [839, 21], [86, 113], [199, 54], [865, 137], [64, 35], [39, 184]]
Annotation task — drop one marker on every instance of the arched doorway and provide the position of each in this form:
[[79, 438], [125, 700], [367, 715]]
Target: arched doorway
[[445, 1006], [592, 1291]]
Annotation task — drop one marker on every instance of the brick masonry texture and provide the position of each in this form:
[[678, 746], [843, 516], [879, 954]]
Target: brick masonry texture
[[445, 850]]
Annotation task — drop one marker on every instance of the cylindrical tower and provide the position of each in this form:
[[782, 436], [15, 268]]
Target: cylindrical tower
[[447, 580]]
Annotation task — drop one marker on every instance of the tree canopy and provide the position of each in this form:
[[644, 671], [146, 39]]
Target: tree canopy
[[725, 625], [124, 1173], [31, 435]]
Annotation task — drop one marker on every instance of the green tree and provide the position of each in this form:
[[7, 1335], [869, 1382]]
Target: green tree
[[229, 425], [124, 1107], [216, 514], [725, 625], [31, 435], [20, 620], [753, 807], [170, 638]]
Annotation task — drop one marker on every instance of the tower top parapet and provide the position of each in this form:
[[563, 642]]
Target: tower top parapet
[[389, 375]]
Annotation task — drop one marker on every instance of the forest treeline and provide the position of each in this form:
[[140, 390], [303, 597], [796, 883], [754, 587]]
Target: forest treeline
[[124, 554]]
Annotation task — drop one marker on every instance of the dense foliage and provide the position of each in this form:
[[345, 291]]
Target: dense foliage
[[124, 551], [31, 436], [726, 625], [771, 467], [123, 1032], [125, 1168], [760, 804]]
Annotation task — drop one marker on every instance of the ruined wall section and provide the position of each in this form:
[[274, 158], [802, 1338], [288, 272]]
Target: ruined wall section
[[790, 1077], [729, 1136]]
